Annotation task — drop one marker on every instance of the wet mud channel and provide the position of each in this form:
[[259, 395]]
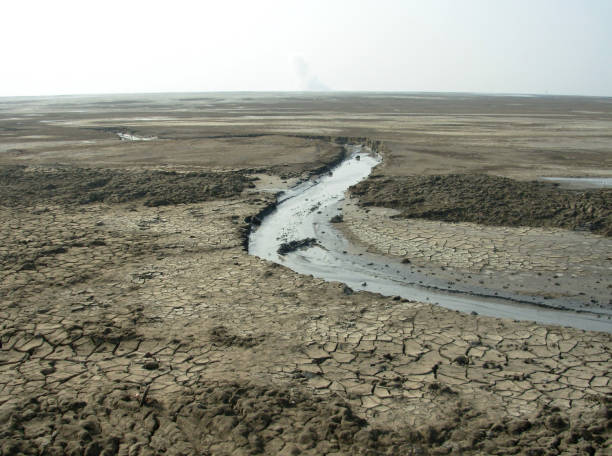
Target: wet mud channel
[[300, 234]]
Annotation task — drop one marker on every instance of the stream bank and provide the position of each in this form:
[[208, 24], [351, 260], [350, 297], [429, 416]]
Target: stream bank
[[306, 211]]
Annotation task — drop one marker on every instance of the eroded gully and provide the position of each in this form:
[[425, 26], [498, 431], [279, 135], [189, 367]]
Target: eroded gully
[[305, 211]]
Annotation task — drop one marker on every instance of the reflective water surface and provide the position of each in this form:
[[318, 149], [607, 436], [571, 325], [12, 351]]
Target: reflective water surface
[[305, 212]]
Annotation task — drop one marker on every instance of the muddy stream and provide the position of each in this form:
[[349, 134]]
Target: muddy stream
[[305, 211]]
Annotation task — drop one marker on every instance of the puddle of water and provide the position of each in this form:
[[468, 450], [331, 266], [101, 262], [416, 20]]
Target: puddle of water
[[581, 182], [129, 137], [305, 212]]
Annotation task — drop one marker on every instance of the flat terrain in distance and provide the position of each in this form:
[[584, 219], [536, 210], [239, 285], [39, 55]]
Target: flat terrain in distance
[[132, 320]]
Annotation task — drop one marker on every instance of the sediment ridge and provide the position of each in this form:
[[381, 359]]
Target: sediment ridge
[[489, 200]]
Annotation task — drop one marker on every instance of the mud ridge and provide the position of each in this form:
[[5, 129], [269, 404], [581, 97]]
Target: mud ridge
[[252, 221], [22, 186], [490, 200]]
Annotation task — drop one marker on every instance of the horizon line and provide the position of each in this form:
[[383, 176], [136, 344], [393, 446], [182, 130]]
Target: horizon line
[[306, 92]]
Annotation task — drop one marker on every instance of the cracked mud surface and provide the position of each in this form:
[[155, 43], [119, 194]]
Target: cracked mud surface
[[567, 268], [132, 329], [166, 301]]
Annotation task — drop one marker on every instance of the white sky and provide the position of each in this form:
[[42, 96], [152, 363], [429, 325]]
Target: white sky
[[508, 46]]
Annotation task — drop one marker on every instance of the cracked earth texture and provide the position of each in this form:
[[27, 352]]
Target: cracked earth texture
[[119, 301], [551, 263], [135, 330]]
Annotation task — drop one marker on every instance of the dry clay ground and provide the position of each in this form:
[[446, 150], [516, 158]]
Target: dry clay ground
[[528, 238], [138, 328]]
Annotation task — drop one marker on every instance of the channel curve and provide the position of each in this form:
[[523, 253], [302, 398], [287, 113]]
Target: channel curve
[[305, 211]]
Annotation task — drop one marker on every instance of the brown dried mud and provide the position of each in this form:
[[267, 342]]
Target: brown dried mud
[[136, 329], [231, 418], [129, 329]]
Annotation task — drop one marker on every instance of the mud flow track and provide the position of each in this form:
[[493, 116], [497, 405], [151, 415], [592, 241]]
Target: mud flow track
[[306, 211]]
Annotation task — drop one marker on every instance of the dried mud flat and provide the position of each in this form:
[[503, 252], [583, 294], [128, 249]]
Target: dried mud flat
[[137, 328], [529, 238]]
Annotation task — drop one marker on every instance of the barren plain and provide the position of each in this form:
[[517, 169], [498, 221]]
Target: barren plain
[[134, 322]]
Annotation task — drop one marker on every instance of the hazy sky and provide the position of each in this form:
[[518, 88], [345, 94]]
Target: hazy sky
[[508, 46]]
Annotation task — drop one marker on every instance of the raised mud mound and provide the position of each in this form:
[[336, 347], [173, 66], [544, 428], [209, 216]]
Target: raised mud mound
[[241, 419], [490, 200], [292, 246], [21, 186]]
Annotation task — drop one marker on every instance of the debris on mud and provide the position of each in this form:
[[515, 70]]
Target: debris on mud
[[490, 200], [347, 290], [221, 336], [292, 246]]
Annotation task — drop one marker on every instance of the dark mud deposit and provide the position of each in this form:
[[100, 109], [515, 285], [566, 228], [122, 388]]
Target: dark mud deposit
[[490, 200], [70, 185], [292, 246]]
